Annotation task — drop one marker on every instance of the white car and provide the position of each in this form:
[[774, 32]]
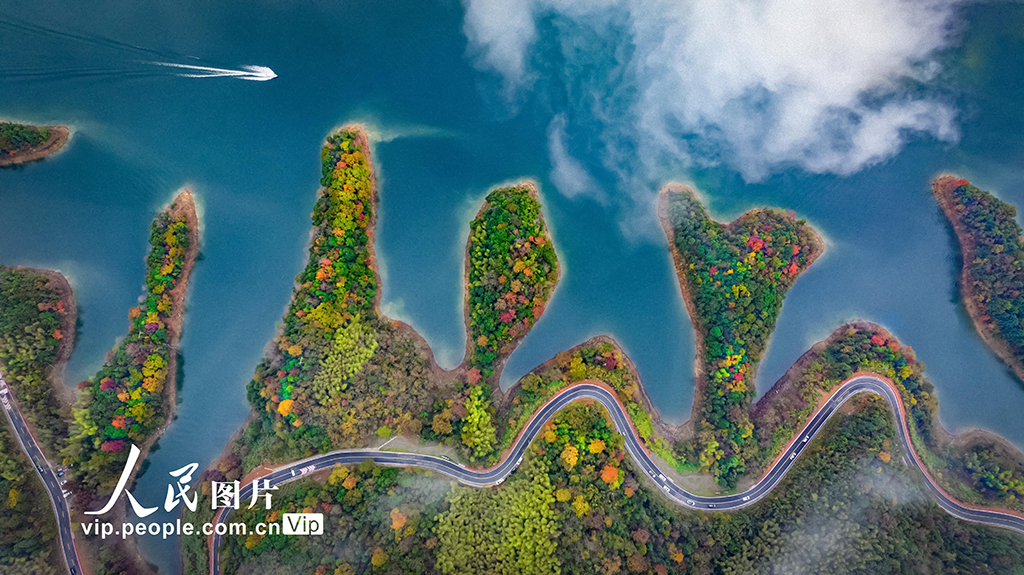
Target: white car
[[806, 437], [747, 498], [689, 502], [792, 455]]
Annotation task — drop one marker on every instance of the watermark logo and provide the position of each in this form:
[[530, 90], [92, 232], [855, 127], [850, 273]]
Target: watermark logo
[[302, 524], [225, 494]]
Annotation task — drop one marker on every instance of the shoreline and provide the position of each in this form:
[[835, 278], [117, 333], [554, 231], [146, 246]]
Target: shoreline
[[442, 376], [687, 427], [363, 141], [362, 138], [59, 136], [942, 189]]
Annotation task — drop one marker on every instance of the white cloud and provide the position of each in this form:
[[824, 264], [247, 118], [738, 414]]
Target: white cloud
[[568, 175], [504, 30], [832, 86]]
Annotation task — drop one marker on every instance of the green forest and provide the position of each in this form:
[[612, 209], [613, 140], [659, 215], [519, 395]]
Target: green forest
[[19, 137], [30, 334], [852, 348], [28, 529], [340, 374], [30, 310], [576, 505], [124, 402], [736, 276]]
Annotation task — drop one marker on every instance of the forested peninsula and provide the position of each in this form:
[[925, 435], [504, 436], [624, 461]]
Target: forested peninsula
[[341, 373], [992, 276], [132, 396], [20, 143], [734, 278]]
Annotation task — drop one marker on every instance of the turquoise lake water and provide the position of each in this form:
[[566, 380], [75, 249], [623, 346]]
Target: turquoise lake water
[[249, 151]]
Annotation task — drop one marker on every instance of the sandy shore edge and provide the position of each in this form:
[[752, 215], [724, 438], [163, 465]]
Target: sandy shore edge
[[59, 135]]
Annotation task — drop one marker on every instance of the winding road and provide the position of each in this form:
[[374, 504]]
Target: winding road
[[53, 487], [859, 383]]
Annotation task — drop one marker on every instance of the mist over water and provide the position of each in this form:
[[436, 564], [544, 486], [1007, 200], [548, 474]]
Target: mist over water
[[448, 132]]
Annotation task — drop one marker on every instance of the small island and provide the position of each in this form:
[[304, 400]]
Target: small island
[[21, 143]]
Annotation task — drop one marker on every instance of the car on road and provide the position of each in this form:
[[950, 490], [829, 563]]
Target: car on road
[[806, 437], [689, 502], [746, 498], [711, 504], [792, 455]]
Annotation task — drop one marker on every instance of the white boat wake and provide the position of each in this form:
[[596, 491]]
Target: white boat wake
[[153, 57], [254, 73]]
